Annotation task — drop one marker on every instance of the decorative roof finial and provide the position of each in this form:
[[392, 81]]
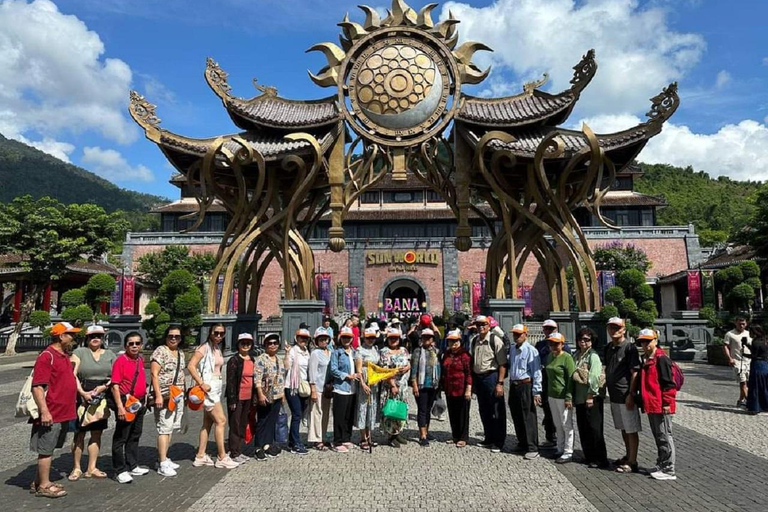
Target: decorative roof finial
[[217, 78], [143, 112], [529, 87], [664, 104], [584, 71]]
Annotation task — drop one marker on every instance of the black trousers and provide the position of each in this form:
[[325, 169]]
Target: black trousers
[[238, 420], [458, 414], [266, 423], [125, 443], [589, 421], [343, 417], [424, 403], [493, 411], [523, 411], [549, 423]]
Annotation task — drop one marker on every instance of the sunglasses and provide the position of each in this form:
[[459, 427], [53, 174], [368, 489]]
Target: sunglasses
[[94, 336], [219, 333], [267, 344], [134, 344], [174, 336], [645, 342], [585, 339], [302, 338], [481, 325]]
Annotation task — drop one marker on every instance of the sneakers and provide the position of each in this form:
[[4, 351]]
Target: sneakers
[[495, 449], [172, 464], [299, 450], [241, 459], [531, 455], [741, 403], [668, 474], [139, 471], [205, 460], [260, 455], [393, 442], [225, 463], [424, 442], [165, 469], [273, 451], [654, 469], [485, 444], [341, 448], [563, 459], [124, 478]]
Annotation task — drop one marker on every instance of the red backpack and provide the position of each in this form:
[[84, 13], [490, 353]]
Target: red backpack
[[677, 375]]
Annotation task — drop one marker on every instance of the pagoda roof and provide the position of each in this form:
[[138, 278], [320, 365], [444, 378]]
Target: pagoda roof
[[268, 110], [532, 105], [620, 198], [10, 266], [188, 205]]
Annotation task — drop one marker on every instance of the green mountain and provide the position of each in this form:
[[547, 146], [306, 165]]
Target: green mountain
[[27, 170], [718, 207]]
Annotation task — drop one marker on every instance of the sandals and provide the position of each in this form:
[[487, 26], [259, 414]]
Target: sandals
[[75, 475], [96, 473], [52, 491], [461, 444], [365, 445], [620, 462], [628, 468], [321, 447]]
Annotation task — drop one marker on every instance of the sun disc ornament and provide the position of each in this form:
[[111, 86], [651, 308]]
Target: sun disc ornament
[[399, 79]]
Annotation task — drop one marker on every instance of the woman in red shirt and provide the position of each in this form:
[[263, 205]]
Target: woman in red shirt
[[456, 382]]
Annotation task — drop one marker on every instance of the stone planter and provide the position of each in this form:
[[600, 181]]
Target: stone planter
[[716, 356]]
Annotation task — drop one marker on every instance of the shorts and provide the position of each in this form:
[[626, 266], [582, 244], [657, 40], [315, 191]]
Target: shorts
[[167, 421], [45, 440], [742, 375], [213, 397], [626, 420]]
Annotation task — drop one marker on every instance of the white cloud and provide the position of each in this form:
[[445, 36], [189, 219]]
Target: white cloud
[[54, 78], [739, 151], [111, 165], [637, 52], [723, 79], [60, 150], [765, 61]]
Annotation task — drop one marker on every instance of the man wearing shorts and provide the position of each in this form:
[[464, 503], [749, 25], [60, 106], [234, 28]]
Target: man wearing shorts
[[622, 363], [738, 356], [54, 390]]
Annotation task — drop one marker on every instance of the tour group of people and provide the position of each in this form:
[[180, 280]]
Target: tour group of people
[[322, 376]]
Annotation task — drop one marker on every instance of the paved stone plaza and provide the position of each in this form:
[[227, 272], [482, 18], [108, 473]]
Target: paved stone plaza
[[722, 462]]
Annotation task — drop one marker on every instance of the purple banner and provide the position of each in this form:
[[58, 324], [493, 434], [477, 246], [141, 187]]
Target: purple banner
[[114, 304], [456, 293], [600, 289], [355, 298], [528, 297], [482, 283], [324, 291], [347, 298], [609, 281], [477, 296]]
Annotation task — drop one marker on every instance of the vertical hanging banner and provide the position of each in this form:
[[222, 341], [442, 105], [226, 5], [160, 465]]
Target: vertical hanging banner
[[235, 301], [600, 287], [528, 298], [339, 297], [114, 303], [129, 294], [477, 296], [324, 291], [355, 292], [482, 283], [466, 297], [609, 280], [347, 298], [694, 290], [456, 294], [219, 291], [708, 287]]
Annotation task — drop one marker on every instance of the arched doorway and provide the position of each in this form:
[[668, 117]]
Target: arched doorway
[[403, 296]]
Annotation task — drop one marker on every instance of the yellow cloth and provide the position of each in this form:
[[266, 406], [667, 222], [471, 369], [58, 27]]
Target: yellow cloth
[[377, 373]]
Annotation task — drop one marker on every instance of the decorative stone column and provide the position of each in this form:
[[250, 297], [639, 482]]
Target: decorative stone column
[[507, 312], [297, 311]]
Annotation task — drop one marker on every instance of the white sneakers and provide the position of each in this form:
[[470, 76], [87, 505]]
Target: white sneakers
[[166, 468], [205, 460], [226, 463], [124, 478], [139, 471]]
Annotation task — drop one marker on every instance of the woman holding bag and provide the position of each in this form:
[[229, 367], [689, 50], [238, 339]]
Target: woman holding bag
[[297, 388], [588, 391], [167, 370], [269, 378], [205, 369], [93, 370], [129, 392], [395, 356]]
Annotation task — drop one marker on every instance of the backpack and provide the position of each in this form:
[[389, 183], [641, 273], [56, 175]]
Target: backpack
[[677, 375]]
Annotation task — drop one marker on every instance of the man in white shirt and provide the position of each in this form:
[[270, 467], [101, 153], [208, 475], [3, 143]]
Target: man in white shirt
[[738, 355]]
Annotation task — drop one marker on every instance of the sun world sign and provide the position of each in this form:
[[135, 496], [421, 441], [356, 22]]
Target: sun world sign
[[403, 261]]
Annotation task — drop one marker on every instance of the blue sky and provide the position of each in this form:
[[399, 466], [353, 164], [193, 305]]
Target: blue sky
[[68, 67]]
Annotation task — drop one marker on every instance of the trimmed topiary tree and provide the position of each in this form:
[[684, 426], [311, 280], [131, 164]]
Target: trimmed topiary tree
[[179, 301]]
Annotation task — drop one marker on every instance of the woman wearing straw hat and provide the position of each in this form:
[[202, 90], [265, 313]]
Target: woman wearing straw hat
[[297, 388], [560, 368], [167, 369], [320, 399], [395, 356], [93, 369], [456, 382], [367, 396], [240, 369]]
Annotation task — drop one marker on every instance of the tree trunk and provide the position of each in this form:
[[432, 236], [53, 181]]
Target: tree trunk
[[26, 308]]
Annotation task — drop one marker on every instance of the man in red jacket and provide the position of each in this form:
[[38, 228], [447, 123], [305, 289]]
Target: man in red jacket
[[658, 391]]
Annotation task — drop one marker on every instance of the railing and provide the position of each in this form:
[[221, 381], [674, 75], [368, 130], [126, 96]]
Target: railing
[[30, 340]]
